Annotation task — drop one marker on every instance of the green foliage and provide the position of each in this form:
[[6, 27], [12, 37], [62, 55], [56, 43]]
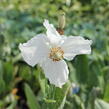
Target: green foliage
[[82, 74], [31, 100], [100, 104], [20, 20]]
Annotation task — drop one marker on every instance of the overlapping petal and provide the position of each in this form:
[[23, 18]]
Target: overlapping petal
[[52, 34], [35, 50], [73, 46], [56, 72]]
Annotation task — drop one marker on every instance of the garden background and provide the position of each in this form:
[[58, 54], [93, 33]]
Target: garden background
[[23, 87]]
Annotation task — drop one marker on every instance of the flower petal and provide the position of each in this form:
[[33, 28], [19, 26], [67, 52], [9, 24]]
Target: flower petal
[[35, 50], [73, 46], [56, 72], [52, 34]]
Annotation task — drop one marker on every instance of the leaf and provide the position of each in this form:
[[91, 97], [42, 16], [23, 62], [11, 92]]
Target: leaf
[[1, 39], [81, 65], [106, 93], [100, 104], [2, 82], [60, 96], [63, 103], [8, 72], [25, 72], [31, 100], [12, 105], [72, 73]]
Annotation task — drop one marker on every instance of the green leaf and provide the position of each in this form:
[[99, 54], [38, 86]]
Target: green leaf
[[81, 66], [25, 72], [31, 99], [2, 82], [12, 105], [8, 72], [106, 93], [60, 96], [72, 73], [1, 39], [100, 104]]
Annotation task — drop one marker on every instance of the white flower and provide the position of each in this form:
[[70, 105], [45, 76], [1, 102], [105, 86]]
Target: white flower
[[49, 51]]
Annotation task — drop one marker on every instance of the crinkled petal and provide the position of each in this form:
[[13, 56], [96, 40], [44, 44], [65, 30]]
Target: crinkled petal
[[56, 72], [73, 46], [35, 50], [52, 34]]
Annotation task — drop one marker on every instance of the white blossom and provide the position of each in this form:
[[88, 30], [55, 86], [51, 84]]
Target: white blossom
[[49, 51]]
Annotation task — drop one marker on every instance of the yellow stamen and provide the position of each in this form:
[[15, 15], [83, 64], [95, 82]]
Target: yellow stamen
[[56, 54]]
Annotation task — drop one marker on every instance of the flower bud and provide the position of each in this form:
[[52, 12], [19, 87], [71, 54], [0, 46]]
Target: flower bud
[[61, 20]]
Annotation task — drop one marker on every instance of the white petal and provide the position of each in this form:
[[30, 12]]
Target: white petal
[[73, 46], [35, 50], [52, 34], [56, 72]]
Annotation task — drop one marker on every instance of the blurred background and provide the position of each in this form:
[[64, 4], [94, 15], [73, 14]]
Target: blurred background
[[23, 87]]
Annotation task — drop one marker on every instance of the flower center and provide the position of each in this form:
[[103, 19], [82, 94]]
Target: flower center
[[56, 54]]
